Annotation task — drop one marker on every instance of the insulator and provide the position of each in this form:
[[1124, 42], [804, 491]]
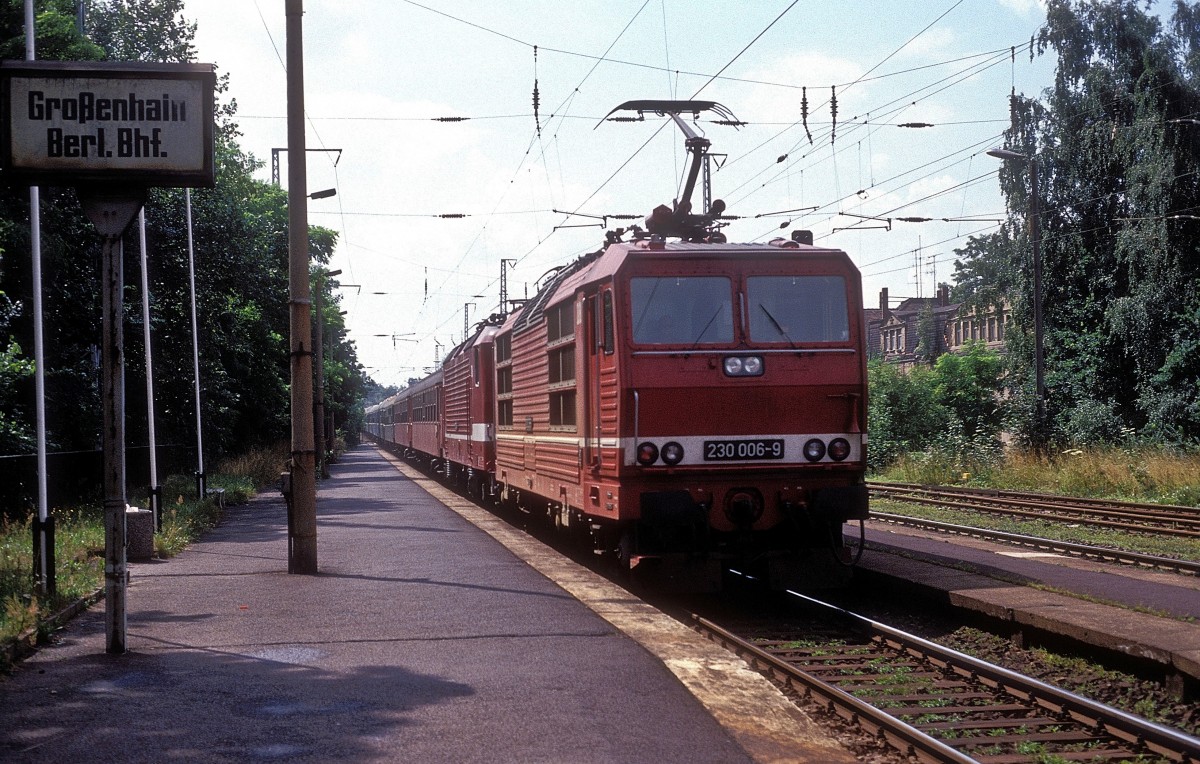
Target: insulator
[[833, 113], [804, 113]]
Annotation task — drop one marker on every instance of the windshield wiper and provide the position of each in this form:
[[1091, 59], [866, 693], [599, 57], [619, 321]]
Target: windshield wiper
[[778, 326], [705, 329]]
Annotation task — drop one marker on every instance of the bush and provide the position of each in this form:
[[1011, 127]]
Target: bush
[[952, 413], [902, 414]]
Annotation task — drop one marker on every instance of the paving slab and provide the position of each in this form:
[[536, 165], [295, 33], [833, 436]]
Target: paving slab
[[1095, 603], [420, 639]]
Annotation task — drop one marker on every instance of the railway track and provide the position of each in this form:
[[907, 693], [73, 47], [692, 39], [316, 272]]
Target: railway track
[[1105, 554], [936, 704], [1158, 519]]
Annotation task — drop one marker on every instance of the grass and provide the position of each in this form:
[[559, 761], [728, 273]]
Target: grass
[[1077, 533], [79, 540], [1128, 474]]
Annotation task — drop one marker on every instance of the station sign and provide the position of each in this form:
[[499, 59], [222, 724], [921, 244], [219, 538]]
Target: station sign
[[84, 123]]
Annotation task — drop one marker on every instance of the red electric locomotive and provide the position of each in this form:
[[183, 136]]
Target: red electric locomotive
[[688, 405]]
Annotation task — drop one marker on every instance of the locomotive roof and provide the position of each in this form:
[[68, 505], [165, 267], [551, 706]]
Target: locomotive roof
[[599, 266], [482, 335], [615, 256], [531, 312]]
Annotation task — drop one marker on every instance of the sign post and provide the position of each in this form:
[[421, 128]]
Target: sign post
[[112, 131]]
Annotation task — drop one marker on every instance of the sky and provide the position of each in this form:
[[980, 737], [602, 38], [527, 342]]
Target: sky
[[534, 188]]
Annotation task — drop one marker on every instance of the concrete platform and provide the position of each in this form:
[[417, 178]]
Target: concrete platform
[[422, 639], [1149, 616]]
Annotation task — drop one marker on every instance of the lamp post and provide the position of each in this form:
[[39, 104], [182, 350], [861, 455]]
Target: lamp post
[[398, 337], [1035, 237], [319, 345]]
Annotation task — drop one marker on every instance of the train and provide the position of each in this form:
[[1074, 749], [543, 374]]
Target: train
[[682, 403]]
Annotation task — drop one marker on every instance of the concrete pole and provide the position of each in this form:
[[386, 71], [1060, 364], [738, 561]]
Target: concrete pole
[[302, 554], [1039, 362]]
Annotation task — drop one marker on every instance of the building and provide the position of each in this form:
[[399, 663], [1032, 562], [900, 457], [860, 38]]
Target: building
[[894, 334]]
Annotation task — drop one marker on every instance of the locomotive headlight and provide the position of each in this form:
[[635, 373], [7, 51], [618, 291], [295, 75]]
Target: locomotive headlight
[[839, 449], [647, 453], [814, 450], [743, 366], [672, 453]]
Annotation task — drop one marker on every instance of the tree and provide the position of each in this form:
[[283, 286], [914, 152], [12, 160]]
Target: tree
[[927, 345], [968, 384], [240, 234], [903, 413], [1119, 164], [142, 30]]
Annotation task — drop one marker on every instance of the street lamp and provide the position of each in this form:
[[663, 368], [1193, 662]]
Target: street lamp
[[319, 406], [1035, 236], [399, 337]]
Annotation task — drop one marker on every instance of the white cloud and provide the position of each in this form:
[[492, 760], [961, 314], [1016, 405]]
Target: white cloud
[[1025, 8]]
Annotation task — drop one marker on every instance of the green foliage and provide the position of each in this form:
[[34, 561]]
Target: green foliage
[[142, 30], [968, 385], [58, 37], [16, 435], [1119, 176], [241, 261], [903, 413], [951, 415], [927, 345]]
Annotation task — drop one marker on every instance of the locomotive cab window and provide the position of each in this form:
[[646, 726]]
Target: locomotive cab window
[[797, 309], [681, 310]]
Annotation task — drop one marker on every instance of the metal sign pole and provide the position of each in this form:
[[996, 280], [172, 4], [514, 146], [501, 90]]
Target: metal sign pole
[[155, 488], [200, 476], [43, 533]]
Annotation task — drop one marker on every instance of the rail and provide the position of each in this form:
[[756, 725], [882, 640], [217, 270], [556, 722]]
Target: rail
[[1107, 554], [1159, 519], [938, 705]]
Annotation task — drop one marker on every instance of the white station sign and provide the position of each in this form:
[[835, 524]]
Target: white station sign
[[147, 124]]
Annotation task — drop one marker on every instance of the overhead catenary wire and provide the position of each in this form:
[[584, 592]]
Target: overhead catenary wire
[[538, 251]]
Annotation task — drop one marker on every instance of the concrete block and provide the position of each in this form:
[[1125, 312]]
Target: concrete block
[[139, 533]]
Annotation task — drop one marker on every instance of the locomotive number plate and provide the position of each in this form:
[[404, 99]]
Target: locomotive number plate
[[742, 450]]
